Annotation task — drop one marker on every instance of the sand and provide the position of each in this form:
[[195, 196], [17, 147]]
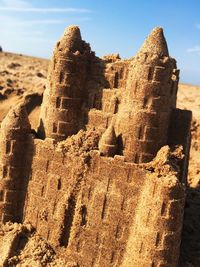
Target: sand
[[22, 78]]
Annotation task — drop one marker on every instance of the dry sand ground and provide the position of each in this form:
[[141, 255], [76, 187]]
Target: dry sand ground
[[22, 78]]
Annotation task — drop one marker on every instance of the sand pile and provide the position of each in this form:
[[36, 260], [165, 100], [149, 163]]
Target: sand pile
[[21, 246], [22, 79]]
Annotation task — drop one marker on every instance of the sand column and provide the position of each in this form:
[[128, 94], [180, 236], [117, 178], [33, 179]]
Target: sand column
[[61, 108], [14, 139], [149, 97], [156, 232]]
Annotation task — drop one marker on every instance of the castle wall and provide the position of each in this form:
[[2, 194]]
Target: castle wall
[[52, 180], [156, 231], [82, 204], [109, 198], [116, 73], [103, 207]]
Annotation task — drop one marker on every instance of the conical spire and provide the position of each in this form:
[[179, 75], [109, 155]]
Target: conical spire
[[71, 39], [155, 43], [109, 137], [17, 118], [108, 142]]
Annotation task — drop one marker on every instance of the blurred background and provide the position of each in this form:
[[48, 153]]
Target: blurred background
[[114, 26]]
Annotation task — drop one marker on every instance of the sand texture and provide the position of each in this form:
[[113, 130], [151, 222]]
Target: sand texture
[[94, 155]]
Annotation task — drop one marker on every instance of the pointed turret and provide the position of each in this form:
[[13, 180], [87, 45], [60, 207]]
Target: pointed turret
[[144, 115], [14, 141], [16, 119], [61, 115], [71, 39], [108, 142], [155, 43]]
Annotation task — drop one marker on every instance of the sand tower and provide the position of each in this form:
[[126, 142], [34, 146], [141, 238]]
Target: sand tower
[[149, 97], [60, 114], [14, 138], [156, 232]]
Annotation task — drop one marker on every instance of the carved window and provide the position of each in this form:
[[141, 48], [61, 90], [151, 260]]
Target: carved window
[[61, 78], [62, 127], [163, 208], [157, 239], [145, 102], [66, 102], [58, 101], [8, 147], [113, 105], [150, 74], [141, 132], [116, 80], [54, 64], [136, 158], [159, 73], [5, 171], [55, 127], [42, 191], [1, 195], [59, 185]]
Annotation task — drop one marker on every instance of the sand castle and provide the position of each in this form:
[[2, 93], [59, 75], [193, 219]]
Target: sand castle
[[87, 181]]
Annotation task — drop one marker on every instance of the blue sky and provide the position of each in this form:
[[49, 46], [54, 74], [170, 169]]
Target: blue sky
[[110, 26]]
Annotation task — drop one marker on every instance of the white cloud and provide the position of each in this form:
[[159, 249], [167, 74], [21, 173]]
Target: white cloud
[[13, 23], [43, 21], [24, 6], [45, 10], [49, 21], [194, 49], [40, 22]]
